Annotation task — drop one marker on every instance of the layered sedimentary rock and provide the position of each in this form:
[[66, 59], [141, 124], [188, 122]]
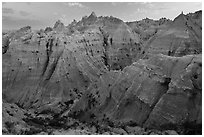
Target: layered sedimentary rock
[[147, 28], [122, 45], [104, 71], [37, 75], [181, 38], [153, 93]]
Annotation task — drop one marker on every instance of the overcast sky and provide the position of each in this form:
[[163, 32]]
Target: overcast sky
[[40, 15]]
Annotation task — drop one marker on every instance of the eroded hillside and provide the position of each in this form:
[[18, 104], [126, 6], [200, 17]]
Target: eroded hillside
[[101, 75]]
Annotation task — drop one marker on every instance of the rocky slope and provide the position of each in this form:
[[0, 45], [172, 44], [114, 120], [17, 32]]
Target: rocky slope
[[181, 37], [122, 45], [154, 93], [101, 75]]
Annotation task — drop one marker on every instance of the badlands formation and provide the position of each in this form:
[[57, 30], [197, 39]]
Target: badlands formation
[[102, 75]]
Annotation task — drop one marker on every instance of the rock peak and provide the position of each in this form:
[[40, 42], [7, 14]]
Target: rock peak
[[25, 28], [93, 14], [58, 24], [180, 17]]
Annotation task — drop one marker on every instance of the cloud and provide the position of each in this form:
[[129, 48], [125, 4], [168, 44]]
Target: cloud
[[75, 4], [7, 11], [148, 5], [9, 22], [114, 3], [24, 13], [140, 10], [55, 13], [28, 3]]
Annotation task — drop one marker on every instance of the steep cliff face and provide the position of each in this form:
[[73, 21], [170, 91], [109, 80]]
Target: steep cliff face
[[123, 46], [179, 37], [182, 37], [147, 28], [153, 93], [23, 35], [43, 75], [196, 17]]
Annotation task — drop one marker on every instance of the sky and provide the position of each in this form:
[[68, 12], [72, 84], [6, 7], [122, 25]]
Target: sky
[[43, 14]]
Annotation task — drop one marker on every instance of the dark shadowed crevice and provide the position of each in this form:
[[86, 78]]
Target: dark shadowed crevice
[[105, 57], [5, 44], [49, 51], [52, 67], [48, 54]]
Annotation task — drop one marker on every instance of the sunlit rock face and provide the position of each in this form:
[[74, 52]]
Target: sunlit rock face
[[37, 75], [102, 70], [154, 93], [147, 28], [122, 45], [181, 38], [59, 26]]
